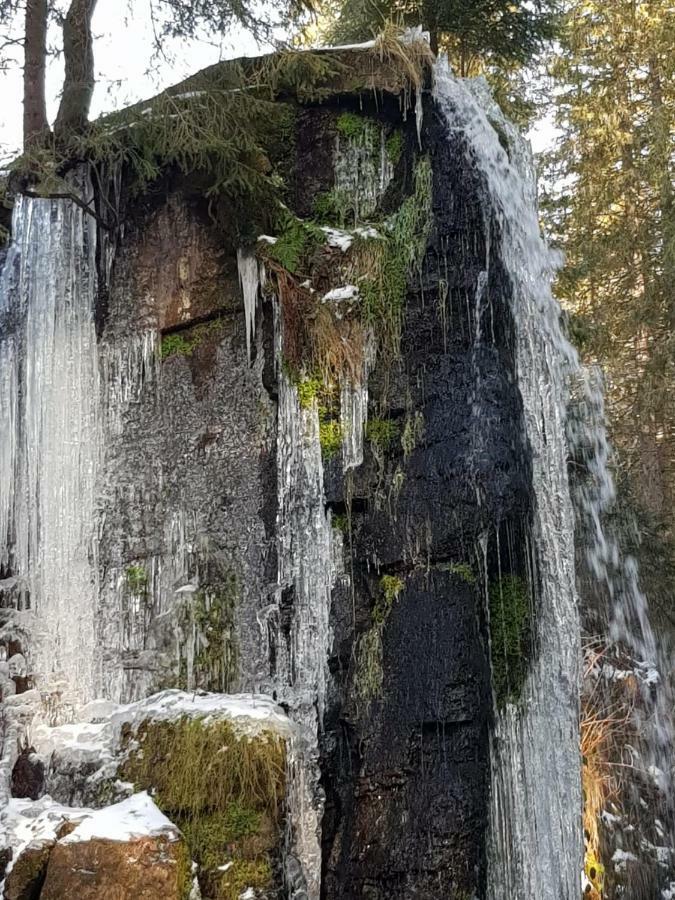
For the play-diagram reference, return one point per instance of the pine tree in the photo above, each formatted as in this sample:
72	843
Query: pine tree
504	32
613	214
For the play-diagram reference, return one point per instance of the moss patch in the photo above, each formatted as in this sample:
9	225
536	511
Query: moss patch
461	570
368	674
209	615
510	632
382	433
184	343
330	437
136	578
395	147
357	128
222	789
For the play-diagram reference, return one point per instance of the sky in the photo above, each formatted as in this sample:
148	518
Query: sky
122	51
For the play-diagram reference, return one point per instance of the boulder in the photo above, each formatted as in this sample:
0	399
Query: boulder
150	868
129	850
26	877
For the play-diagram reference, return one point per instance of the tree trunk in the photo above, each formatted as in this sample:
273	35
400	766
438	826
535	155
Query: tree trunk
35	124
78	86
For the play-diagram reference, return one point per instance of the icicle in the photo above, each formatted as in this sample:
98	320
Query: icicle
419	115
127	366
307	566
8	441
51	437
354	411
249	278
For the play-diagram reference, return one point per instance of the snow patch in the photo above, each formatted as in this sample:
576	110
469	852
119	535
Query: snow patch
348	292
129	820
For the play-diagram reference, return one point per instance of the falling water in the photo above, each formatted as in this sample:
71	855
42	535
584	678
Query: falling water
625	617
535	842
49	413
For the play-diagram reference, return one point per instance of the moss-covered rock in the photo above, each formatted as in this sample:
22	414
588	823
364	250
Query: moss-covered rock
223	788
27	875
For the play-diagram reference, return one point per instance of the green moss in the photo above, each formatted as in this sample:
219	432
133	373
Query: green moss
357	128
395	147
136	578
184	343
222	789
382	433
309	389
461	570
244	874
340	521
330	437
368	676
193	767
510	632
175	345
212	835
393	260
211	611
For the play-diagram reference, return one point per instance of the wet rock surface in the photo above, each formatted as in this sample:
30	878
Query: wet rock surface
407	776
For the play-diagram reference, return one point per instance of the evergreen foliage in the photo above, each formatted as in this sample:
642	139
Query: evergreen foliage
610	208
503	31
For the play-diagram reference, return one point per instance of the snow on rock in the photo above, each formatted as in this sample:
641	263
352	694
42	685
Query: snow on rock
621	859
249	714
34	823
136	817
84	737
341	240
348	292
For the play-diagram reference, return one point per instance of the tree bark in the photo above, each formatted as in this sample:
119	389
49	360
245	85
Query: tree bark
35	124
78	85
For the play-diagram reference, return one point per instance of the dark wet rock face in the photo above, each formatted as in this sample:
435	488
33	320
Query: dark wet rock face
407	773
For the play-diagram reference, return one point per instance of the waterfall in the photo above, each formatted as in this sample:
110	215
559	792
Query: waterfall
631	649
49	415
535	841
